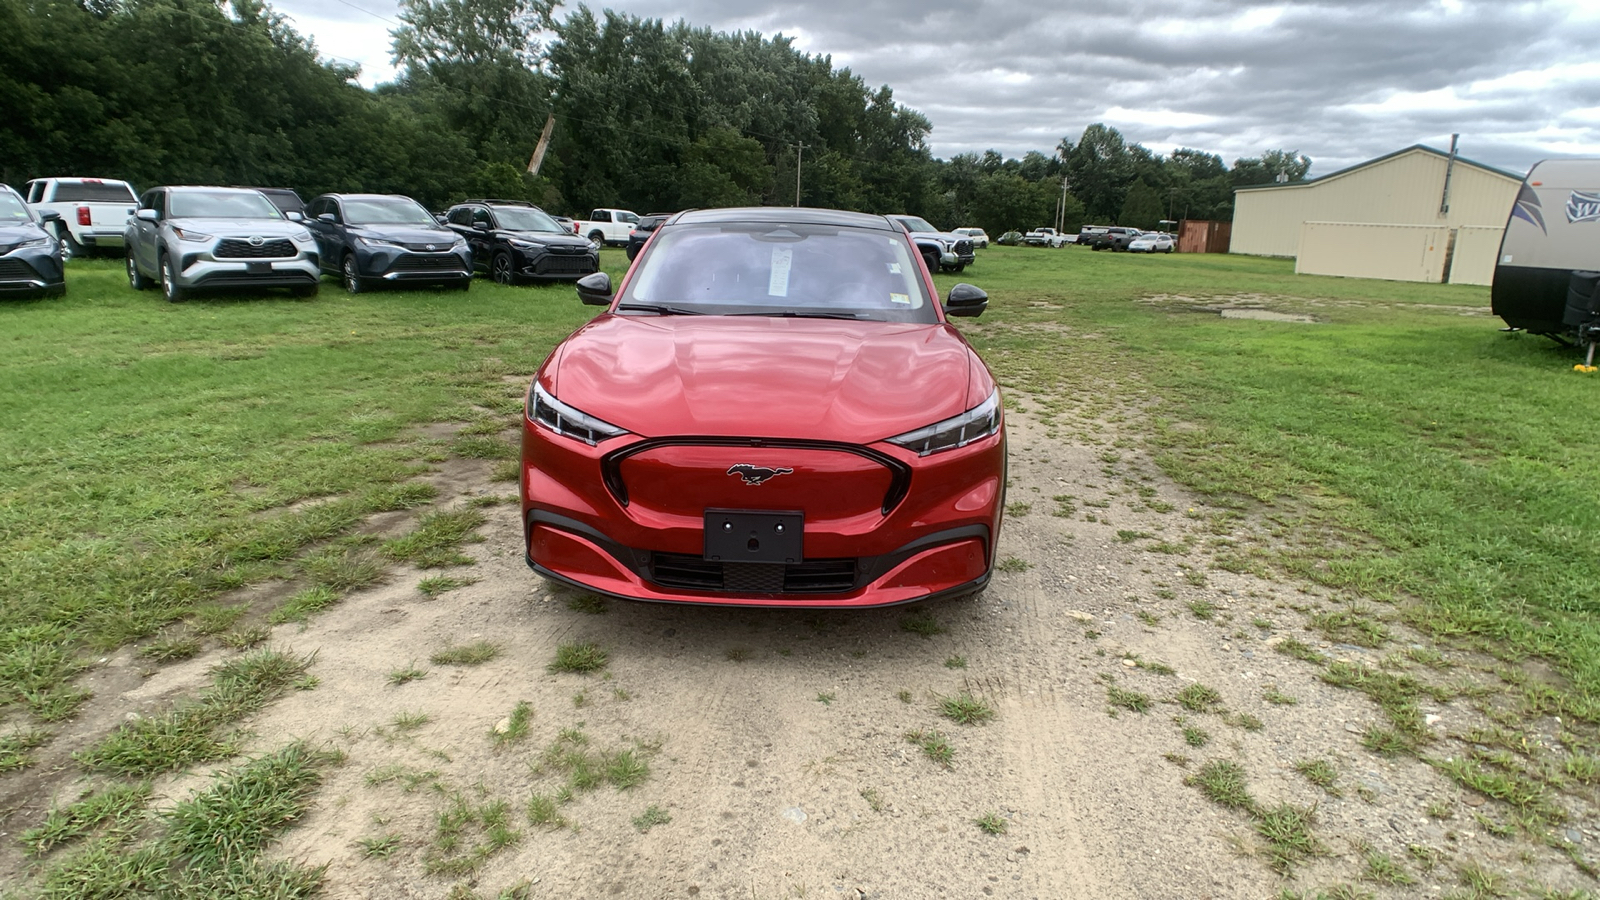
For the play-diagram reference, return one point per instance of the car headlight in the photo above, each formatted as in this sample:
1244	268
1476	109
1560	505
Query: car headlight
189	234
460	244
527	245
564	420
301	237
36	242
380	244
975	424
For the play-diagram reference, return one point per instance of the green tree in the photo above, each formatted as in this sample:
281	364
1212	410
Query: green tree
1143	208
1100	169
1274	165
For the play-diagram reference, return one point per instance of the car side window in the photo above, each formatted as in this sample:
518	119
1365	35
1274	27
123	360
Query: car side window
316	208
338	213
460	216
602	215
479	214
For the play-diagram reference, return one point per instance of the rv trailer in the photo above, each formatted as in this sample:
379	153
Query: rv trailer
1547	279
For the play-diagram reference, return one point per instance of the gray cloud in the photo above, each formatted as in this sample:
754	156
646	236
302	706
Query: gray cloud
1339	80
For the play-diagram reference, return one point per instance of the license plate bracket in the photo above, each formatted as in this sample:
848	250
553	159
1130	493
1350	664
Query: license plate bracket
754	536
258	268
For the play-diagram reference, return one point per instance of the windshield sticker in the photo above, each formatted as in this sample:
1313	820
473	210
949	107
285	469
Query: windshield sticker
900	298
778	283
894	268
1583	206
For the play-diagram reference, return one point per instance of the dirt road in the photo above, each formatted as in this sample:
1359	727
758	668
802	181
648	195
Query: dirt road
776	742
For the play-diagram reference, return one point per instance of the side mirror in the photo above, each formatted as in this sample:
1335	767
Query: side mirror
480	226
293	216
966	300
326	217
595	290
441	220
49	215
147	215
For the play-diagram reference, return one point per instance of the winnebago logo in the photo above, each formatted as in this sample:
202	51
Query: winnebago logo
756	474
1583	206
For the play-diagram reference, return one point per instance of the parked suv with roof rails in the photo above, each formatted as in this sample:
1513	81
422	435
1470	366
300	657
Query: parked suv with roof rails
93	211
31	259
513	241
188	238
372	239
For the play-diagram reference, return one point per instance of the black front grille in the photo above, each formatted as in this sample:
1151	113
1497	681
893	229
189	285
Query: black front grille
429	247
233	248
564	265
814	576
564	250
11	269
963	248
446	262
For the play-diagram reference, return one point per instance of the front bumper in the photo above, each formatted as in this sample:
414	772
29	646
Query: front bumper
31	274
557	263
404	265
201	269
936	538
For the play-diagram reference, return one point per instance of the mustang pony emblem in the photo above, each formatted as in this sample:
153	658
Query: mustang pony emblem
756	474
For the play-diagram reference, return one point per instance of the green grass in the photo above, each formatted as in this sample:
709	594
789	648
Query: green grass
933	745
966	709
197	731
434	585
474	654
581	658
921	622
516	726
1125	698
991	824
117	809
1223	783
1197	697
436	541
650	818
1321	773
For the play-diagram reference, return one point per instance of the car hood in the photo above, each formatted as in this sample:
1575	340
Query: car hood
19	232
546	237
263	227
822	379
407	234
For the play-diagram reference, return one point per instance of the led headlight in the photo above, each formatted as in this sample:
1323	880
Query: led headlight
564	420
185	234
526	245
975	424
36	242
301	237
379	244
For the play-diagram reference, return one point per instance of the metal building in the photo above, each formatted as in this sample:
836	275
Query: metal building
1417	214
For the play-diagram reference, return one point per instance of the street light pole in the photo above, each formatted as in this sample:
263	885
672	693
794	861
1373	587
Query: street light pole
799	154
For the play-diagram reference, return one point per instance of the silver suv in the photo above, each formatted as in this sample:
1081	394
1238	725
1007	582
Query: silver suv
194	238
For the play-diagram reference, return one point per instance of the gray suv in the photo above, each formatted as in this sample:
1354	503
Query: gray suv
196	238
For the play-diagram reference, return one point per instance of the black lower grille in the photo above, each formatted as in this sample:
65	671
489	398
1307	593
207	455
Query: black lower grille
814	576
446	262
232	248
564	265
16	268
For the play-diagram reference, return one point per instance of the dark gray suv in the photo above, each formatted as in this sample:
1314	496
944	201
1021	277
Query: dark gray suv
192	238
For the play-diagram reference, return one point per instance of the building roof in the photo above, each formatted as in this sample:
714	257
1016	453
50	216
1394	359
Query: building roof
1372	162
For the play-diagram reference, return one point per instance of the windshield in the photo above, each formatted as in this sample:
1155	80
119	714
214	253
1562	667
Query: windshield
781	270
93	192
387	211
916	224
12	210
526	218
221	205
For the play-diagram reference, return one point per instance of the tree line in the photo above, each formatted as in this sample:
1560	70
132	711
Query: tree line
648	115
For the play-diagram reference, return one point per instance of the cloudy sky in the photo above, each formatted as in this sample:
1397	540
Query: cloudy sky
1339	80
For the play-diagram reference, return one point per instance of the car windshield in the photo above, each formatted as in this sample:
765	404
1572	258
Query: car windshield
12	210
916	224
526	218
221	205
387	211
780	270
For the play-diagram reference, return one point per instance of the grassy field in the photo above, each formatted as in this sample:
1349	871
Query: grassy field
157	455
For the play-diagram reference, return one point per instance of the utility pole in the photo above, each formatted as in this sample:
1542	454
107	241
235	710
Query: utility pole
799	154
1061	208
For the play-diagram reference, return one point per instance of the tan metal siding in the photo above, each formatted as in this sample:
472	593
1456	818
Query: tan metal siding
1366	250
1403	190
1473	260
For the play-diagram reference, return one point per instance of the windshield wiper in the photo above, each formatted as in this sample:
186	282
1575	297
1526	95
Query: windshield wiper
660	309
805	314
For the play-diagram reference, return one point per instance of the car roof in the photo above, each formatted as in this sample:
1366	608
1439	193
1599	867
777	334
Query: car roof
784	215
209	187
369	196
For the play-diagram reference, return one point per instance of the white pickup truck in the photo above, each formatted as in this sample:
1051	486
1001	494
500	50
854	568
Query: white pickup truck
1045	237
607	226
93	211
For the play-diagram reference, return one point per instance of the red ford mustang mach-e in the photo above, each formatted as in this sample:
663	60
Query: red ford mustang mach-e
772	411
